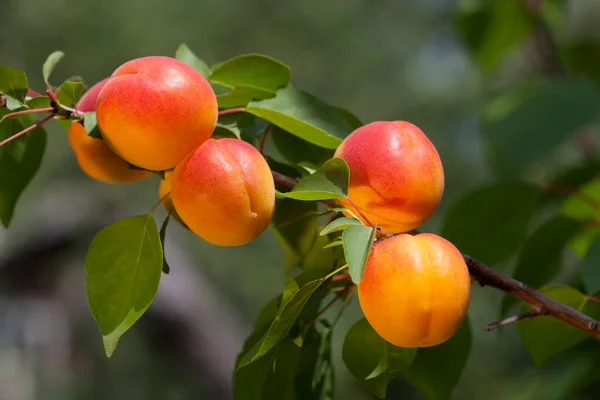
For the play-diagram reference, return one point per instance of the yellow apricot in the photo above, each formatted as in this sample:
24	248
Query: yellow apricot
415	290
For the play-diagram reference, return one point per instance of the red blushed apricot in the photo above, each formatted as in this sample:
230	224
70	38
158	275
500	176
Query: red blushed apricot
224	192
155	110
98	161
396	175
415	290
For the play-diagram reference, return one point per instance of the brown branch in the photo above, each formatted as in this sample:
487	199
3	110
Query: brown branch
486	276
529	314
24	131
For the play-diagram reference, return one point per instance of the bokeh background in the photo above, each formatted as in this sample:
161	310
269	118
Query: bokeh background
382	60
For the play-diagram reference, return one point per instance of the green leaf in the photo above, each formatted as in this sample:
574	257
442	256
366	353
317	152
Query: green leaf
583	205
163	232
540	257
350	118
286	317
492	28
91	125
20	160
305	116
590	268
50	63
373	361
185	54
240	96
546	336
358	241
226	131
535	138
70	92
123	267
315	378
327	183
13	83
279	382
339	225
252	71
490	222
39	102
297	151
437	370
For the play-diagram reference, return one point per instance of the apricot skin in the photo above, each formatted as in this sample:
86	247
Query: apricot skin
155	110
415	290
224	192
396	175
94	157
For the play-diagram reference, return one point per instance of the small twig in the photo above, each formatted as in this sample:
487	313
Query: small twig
32	111
52	96
33	93
327	307
341	277
530	314
155	206
592	298
264	139
283	181
24	131
360	212
345	304
231	111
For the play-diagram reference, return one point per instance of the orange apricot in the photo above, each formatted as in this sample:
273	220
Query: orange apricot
224	192
396	175
94	157
155	110
415	290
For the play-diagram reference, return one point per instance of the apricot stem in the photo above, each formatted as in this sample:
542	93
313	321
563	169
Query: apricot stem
530	314
24	131
51	95
155	206
231	110
592	298
33	93
343	267
32	111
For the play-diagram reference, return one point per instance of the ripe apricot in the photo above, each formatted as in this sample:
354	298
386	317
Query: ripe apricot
415	290
396	175
224	192
155	110
94	157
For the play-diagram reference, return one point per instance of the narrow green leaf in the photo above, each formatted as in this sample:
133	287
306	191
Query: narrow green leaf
334	244
240	96
358	241
163	232
339	225
185	54
286	317
315	378
20	160
298	151
303	115
279	382
252	71
546	336
590	268
437	370
50	63
506	206
123	268
327	183
373	361
540	257
91	125
70	92
13	83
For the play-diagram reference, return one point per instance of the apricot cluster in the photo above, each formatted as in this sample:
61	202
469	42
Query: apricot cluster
415	290
158	114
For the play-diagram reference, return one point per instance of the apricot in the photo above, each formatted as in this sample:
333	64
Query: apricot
396	175
94	157
155	110
415	290
224	192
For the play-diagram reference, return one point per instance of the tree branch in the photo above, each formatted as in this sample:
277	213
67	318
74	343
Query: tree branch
529	314
486	276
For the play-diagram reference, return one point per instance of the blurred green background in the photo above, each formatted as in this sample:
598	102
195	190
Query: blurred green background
383	60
